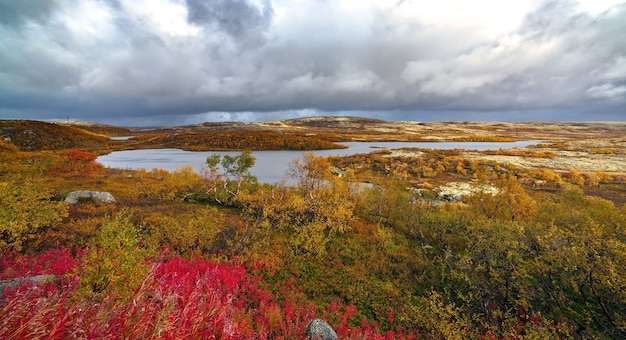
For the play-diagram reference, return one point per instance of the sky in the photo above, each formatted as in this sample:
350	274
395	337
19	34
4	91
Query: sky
174	62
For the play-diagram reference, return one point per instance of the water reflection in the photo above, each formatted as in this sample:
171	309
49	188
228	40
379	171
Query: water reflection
271	166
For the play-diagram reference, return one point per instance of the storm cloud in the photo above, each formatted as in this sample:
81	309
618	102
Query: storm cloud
184	61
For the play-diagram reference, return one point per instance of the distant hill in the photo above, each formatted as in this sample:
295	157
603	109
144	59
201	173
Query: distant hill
31	135
335	122
100	129
38	135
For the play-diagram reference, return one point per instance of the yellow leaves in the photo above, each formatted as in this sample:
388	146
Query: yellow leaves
25	209
192	229
318	205
385	239
582	256
310	239
239	140
319	196
310	173
511	202
443	320
7	148
115	262
169	186
575	177
233	186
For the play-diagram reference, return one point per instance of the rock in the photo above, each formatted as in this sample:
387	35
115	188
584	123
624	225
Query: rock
37	279
319	330
454	191
96	196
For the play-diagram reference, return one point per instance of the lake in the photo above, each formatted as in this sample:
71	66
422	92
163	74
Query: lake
271	166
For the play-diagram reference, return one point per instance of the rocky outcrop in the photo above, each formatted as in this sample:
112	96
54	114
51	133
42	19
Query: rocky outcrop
34	280
454	191
96	196
319	330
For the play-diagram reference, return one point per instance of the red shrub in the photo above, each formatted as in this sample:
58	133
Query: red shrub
55	262
179	298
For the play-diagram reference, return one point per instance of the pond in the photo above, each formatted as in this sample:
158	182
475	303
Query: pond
271	166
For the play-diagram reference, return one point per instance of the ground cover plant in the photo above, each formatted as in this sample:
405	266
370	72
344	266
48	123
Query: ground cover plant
218	255
176	298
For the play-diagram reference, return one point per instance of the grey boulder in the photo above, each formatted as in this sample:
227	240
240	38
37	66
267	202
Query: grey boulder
319	330
34	280
97	196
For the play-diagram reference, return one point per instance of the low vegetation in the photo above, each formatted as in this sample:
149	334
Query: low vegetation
364	242
236	140
37	136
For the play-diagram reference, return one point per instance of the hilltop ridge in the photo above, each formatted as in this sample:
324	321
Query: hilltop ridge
350	126
582	140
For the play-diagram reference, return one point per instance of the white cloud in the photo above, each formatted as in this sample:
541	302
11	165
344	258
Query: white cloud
363	81
616	70
608	91
480	19
596	7
488	64
88	22
293	55
163	17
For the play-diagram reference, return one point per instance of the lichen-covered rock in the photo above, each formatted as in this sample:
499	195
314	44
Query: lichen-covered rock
34	280
97	196
454	191
319	330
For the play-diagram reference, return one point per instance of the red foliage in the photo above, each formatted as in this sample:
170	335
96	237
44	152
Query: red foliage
76	163
75	155
54	262
179	298
241	140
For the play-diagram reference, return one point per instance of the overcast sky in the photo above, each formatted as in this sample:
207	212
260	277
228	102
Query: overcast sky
171	62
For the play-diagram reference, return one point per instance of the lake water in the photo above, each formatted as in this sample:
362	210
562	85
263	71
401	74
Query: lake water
271	166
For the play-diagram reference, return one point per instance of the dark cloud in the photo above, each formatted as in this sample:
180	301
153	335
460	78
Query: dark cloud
239	18
20	12
184	60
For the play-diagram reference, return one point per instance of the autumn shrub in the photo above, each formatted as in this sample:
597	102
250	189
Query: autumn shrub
116	262
510	201
162	185
580	247
227	186
391	205
601	151
318	205
240	140
7	148
25	209
190	229
483	138
51	262
260	261
177	298
75	163
520	153
30	135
